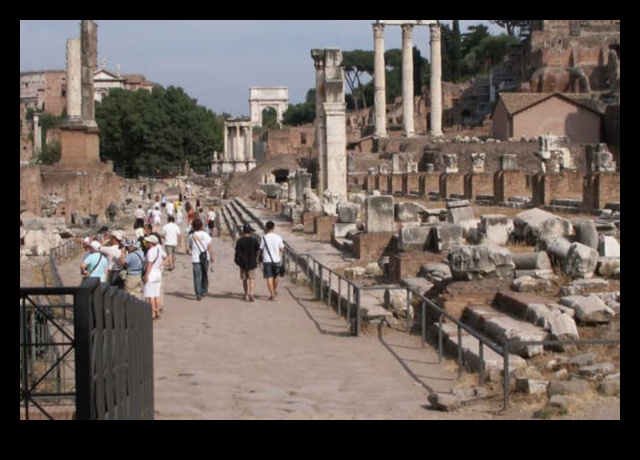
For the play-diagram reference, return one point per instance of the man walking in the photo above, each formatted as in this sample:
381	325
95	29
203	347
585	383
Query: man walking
172	240
246	257
271	250
201	255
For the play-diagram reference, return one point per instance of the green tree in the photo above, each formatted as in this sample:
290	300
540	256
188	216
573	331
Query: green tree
356	63
155	130
301	114
455	50
514	27
50	153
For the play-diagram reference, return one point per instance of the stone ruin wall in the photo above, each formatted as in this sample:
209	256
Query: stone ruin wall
288	141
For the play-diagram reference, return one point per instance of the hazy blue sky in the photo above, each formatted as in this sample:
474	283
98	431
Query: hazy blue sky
214	61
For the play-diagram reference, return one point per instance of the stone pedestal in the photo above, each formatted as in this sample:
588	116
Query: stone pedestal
323	227
429	183
478	184
451	184
510	183
410	183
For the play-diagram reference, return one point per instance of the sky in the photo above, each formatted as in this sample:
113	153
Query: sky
214	61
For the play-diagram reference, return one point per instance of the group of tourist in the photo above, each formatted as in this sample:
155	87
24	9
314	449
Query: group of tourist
136	265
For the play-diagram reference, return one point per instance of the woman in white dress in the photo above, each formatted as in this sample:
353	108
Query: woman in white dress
156	258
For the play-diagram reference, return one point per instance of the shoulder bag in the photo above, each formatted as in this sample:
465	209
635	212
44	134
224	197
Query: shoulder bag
278	268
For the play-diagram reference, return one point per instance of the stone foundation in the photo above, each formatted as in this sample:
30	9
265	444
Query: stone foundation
323	227
451	184
407	264
371	246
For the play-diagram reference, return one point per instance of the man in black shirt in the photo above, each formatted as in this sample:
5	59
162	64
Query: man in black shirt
246	257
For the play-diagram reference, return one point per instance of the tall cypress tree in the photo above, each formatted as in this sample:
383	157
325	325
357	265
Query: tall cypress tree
456	53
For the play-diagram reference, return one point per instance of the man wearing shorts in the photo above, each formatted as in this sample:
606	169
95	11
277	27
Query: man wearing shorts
271	250
172	240
246	257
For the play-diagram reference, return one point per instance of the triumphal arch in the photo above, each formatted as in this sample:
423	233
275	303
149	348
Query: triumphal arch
260	98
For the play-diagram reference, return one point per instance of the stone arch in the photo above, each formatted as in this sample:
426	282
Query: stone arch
274	97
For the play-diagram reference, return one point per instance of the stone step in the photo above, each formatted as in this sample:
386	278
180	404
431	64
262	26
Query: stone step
493	362
501	327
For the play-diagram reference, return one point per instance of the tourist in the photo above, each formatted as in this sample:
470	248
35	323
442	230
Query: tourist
156	215
152	278
113	251
147	230
170	208
172	240
246	257
211	220
133	261
200	243
271	250
95	264
139	215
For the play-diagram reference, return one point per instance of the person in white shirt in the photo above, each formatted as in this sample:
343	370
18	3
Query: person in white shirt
152	279
211	221
271	250
172	240
112	252
200	242
139	215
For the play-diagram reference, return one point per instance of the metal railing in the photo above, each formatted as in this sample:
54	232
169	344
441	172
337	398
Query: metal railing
85	353
320	276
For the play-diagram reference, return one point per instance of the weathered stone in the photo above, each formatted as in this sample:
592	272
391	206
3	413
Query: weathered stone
380	214
586	232
589	309
408	211
597	370
568	387
582	286
610	385
537	226
341	230
444	236
608	246
353	273
435	272
530	284
419	284
459	210
559	248
562	327
531	386
481	261
444	402
497	228
374	269
607	266
540	315
581	261
348	212
414	237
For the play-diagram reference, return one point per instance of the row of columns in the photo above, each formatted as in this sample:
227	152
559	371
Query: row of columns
380	96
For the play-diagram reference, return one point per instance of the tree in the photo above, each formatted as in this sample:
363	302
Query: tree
50	153
155	130
514	27
356	63
301	114
455	49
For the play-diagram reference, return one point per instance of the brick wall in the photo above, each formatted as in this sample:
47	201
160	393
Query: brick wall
451	183
410	183
429	182
406	264
371	246
511	183
307	219
478	184
323	227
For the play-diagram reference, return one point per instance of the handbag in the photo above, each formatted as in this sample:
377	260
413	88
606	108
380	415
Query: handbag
279	269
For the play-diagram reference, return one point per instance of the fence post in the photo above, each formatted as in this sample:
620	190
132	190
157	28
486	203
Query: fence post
357	294
408	291
423	306
82	306
505	377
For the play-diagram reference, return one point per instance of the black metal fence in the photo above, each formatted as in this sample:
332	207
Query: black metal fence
86	353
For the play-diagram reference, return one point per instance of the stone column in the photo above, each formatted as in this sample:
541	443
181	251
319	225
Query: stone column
436	81
225	152
407	79
236	143
248	142
74	85
380	94
336	177
318	61
89	47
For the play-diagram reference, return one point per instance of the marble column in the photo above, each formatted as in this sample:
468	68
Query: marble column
407	79
379	75
318	61
436	81
248	144
89	49
225	152
74	84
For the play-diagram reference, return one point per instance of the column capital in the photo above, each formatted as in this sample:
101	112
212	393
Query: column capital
435	31
378	30
407	30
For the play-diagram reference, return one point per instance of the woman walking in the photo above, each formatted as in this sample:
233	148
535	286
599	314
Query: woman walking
152	279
